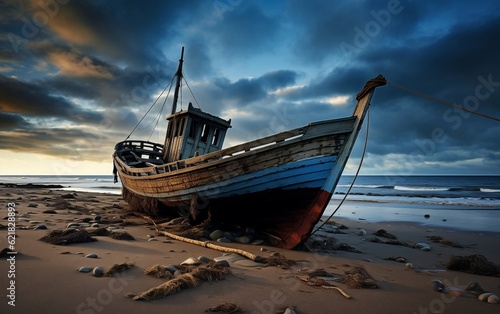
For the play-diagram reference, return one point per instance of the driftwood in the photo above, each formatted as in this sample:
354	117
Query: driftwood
250	256
209	245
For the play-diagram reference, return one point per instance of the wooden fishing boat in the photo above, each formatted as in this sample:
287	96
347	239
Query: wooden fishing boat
279	185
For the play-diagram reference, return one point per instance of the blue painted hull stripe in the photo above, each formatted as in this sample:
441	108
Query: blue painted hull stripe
309	173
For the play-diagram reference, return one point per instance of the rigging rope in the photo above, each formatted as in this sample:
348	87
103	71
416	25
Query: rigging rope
160	113
355	176
192	94
443	102
154	103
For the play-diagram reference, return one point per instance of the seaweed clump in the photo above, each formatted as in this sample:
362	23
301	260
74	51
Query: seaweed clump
474	264
66	237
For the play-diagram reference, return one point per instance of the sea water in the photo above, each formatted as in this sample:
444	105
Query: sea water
464	202
78	183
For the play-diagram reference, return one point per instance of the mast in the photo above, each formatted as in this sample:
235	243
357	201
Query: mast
178	74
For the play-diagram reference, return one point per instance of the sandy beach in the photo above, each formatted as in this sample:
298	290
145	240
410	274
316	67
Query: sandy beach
45	277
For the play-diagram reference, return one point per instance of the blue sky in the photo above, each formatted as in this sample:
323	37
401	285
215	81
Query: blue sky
76	77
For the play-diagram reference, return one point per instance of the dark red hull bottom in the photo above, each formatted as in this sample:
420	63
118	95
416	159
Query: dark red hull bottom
287	216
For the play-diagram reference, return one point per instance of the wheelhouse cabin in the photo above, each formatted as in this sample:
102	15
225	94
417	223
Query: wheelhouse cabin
193	132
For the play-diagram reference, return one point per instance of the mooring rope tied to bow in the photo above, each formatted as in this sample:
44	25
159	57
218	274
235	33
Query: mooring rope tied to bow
443	102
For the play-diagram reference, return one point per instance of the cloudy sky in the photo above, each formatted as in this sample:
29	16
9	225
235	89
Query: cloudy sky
77	76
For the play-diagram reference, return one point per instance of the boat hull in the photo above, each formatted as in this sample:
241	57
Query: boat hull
278	190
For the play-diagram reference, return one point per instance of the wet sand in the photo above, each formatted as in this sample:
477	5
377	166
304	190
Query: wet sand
47	276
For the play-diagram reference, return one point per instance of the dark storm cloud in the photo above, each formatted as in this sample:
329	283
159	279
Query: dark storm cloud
32	100
9	121
325	29
55	142
244	92
244	31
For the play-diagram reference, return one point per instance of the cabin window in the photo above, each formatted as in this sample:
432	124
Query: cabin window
192	129
215	139
204	133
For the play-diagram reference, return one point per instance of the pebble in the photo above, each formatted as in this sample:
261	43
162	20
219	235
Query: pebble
423	246
217	234
95	225
230	258
97	271
85	269
485	296
361	232
243	239
152	239
289	311
223	240
191	261
40	227
171	268
33	205
223	263
73	225
438	285
91	255
177	273
229	235
204	259
49	211
474	288
493	299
